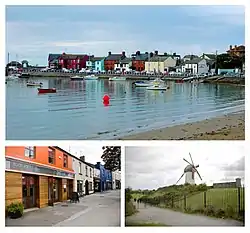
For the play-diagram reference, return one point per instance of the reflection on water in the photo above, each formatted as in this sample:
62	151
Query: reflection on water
76	111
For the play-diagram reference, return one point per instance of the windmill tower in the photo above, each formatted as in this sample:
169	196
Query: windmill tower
189	172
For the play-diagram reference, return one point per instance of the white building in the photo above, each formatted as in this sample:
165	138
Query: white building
116	180
123	64
195	66
84	176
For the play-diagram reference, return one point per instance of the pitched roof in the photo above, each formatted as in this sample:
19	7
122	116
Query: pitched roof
190	56
141	57
126	60
93	59
114	57
158	58
194	61
53	56
210	56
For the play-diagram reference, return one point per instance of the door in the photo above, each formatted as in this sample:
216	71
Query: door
86	188
29	191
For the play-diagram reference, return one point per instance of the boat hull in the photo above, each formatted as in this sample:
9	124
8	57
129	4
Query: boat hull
48	90
117	79
143	84
33	85
152	88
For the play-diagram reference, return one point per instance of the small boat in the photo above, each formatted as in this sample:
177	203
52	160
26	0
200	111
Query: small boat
76	78
157	88
33	84
143	84
91	77
117	79
46	90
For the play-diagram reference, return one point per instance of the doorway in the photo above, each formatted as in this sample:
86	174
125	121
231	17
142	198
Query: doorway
53	190
29	190
86	187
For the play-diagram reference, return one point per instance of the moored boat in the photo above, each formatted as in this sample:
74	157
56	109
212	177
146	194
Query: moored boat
117	79
46	90
33	84
91	77
157	88
142	84
76	78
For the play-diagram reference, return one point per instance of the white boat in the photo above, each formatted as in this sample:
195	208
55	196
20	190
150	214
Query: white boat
157	88
188	78
117	79
91	77
143	84
33	84
76	78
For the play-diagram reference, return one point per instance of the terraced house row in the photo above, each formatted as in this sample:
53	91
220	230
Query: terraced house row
40	176
142	61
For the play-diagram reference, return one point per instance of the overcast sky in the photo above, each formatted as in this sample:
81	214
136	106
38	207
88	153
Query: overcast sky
32	32
92	152
154	167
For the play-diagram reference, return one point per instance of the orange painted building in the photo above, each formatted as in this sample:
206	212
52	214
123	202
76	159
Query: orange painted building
37	176
238	51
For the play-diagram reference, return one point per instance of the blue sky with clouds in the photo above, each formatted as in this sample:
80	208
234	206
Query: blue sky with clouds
32	32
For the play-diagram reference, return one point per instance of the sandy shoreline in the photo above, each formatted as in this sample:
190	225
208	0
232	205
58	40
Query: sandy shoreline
227	127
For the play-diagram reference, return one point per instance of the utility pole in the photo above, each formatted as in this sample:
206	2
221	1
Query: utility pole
216	71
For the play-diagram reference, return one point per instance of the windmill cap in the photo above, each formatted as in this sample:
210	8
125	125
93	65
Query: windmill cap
188	168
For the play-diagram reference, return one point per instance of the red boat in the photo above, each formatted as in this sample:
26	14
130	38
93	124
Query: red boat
46	90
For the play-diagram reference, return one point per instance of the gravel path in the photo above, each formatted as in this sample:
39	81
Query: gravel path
174	218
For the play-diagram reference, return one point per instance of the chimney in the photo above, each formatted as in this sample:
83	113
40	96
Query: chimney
165	54
174	54
123	54
138	53
151	54
230	47
146	53
156	52
109	53
235	46
82	158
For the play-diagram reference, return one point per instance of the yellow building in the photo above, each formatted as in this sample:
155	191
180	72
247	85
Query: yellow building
158	64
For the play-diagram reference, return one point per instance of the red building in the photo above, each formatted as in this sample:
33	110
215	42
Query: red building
68	61
138	61
111	59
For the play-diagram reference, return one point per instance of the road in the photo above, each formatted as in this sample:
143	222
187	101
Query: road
174	218
103	210
98	209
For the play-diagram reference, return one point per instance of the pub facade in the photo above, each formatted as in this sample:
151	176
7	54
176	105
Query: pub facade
37	176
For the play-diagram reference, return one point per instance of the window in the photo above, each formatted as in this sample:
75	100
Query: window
90	172
65	160
51	155
86	170
30	152
80	168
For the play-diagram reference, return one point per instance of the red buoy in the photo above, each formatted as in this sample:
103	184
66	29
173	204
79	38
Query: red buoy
106	99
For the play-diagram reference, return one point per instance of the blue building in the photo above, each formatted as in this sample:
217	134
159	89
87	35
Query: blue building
95	63
105	177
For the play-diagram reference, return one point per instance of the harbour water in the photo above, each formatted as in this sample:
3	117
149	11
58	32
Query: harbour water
76	111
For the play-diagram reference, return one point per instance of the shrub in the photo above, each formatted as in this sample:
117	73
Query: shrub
129	209
230	211
209	210
15	210
219	213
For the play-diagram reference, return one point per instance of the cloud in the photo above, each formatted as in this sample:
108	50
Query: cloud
35	32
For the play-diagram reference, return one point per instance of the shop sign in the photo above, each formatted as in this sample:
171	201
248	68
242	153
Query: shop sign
12	164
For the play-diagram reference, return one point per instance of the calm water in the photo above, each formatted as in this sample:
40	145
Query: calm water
76	111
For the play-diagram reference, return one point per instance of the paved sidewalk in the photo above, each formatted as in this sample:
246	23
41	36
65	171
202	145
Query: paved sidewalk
104	208
174	218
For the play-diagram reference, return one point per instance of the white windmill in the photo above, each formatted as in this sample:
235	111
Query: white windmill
189	172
